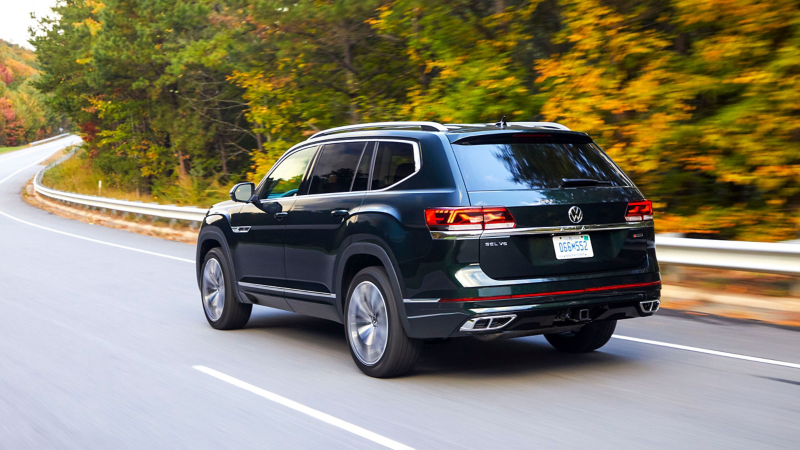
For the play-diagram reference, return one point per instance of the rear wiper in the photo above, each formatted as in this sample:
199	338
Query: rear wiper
579	182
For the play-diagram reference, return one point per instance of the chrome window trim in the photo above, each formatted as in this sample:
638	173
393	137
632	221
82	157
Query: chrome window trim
267	287
312	163
509	232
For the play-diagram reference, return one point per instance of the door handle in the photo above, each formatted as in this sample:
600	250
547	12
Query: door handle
339	212
281	215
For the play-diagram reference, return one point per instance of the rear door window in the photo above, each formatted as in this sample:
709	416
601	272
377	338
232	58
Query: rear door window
534	165
394	162
335	169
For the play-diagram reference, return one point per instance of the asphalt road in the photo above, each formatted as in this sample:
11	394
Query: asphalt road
99	343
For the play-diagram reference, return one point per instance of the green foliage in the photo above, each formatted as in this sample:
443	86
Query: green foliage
697	100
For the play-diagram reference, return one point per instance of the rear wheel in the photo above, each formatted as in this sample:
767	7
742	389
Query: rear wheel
377	341
222	310
589	338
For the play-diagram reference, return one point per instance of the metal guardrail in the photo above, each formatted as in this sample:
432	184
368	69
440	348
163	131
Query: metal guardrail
189	213
48	139
734	255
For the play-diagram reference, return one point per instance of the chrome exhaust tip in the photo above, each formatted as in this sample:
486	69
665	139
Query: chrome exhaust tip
487	323
650	306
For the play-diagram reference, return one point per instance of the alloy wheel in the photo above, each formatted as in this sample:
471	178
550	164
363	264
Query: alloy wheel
368	324
213	289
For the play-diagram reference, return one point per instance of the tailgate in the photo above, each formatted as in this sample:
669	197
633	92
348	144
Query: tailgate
529	251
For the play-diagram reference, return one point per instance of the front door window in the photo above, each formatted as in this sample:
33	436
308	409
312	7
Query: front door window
285	180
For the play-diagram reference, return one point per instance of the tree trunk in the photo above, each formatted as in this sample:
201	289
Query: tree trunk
258	141
350	79
222	156
181	167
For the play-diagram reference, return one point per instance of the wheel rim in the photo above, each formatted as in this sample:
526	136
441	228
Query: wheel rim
213	289
367	323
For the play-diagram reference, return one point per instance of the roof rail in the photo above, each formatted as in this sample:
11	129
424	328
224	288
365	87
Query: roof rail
435	125
553	125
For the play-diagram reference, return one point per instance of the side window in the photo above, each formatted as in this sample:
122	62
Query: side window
362	174
285	180
393	162
336	167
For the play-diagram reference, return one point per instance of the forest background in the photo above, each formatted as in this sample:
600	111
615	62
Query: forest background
697	100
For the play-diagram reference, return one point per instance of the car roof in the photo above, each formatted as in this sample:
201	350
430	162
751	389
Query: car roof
453	132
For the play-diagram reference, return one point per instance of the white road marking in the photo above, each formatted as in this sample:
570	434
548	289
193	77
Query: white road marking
347	426
710	352
125	247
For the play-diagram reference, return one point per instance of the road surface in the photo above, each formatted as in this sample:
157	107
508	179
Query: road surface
103	344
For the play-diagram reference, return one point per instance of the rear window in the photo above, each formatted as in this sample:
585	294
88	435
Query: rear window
534	165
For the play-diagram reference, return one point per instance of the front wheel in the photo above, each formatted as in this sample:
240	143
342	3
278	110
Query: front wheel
378	343
222	310
589	338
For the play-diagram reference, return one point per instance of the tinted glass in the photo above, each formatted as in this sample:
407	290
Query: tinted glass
335	167
540	165
394	162
285	180
362	174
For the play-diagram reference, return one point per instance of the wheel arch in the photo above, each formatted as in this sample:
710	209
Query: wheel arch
211	237
358	256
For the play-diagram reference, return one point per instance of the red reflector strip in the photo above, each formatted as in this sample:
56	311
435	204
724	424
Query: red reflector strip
545	294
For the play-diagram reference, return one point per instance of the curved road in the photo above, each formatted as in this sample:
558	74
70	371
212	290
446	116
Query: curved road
103	344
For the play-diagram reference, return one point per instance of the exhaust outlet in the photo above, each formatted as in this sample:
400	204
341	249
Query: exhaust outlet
583	315
650	306
488	323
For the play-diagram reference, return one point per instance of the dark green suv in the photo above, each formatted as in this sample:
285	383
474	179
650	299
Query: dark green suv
409	231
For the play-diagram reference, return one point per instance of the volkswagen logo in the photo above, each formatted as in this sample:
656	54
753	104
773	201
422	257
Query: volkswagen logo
575	214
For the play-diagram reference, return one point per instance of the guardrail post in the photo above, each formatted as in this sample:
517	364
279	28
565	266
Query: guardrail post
794	289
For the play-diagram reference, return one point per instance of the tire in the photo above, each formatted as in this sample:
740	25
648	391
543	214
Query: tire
589	338
399	353
232	315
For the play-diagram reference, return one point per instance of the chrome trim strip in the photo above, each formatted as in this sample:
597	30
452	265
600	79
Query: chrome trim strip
260	286
314	293
417	166
420	300
434	315
240	229
504	309
472	276
283	290
508	232
565	229
451	235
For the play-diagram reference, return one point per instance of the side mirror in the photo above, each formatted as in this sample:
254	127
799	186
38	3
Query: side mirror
242	192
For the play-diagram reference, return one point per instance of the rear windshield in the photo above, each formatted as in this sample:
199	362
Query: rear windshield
534	165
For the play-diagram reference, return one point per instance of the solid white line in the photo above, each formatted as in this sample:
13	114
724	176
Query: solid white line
710	352
347	426
75	235
124	247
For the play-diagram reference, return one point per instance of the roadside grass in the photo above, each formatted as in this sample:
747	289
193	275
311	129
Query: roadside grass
11	149
78	174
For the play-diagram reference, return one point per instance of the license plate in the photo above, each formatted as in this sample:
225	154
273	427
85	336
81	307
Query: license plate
571	247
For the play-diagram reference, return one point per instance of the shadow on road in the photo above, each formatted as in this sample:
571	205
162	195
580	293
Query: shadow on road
463	356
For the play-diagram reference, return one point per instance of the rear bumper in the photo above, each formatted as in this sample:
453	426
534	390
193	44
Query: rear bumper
537	313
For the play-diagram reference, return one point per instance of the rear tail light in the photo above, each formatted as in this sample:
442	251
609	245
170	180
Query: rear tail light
639	211
481	218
